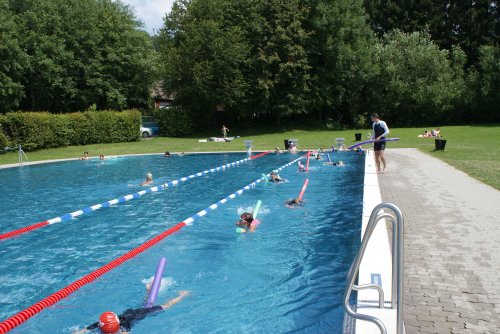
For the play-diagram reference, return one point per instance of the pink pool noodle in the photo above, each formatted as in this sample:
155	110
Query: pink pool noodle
304	187
153	292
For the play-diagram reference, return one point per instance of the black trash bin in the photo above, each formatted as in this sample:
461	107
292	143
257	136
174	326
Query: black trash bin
440	144
357	136
287	144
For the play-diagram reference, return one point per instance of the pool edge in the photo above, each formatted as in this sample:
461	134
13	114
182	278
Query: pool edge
48	161
377	259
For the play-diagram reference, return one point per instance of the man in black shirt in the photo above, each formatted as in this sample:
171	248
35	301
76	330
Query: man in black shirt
380	130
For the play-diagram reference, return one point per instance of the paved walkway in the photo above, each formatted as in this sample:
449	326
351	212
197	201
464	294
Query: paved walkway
452	245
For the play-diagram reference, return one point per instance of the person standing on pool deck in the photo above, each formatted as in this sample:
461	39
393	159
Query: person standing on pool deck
111	323
380	130
224	131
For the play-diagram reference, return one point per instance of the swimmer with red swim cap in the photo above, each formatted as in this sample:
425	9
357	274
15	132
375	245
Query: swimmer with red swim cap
110	323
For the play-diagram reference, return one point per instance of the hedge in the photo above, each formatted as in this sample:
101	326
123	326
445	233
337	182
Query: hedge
174	122
39	130
4	141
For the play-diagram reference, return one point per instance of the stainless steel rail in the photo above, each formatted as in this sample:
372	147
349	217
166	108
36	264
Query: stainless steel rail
397	222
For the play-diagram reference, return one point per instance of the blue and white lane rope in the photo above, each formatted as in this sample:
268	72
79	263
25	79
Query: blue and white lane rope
71	215
138	194
214	206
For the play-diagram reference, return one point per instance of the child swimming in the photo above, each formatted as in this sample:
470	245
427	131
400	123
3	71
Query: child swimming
247	223
302	168
294	202
149	180
275	178
340	163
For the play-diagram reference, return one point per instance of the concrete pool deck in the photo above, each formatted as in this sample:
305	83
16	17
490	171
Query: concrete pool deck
452	244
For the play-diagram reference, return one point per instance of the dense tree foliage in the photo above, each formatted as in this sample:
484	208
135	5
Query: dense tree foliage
321	60
65	55
468	24
12	61
418	80
484	86
267	59
325	62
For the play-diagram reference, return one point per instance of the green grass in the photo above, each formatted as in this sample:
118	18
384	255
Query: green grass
472	149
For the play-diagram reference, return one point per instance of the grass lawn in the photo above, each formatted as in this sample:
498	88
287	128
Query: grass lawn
472	149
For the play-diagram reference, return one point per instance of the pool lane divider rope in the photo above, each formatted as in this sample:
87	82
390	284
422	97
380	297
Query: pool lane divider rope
125	198
21	317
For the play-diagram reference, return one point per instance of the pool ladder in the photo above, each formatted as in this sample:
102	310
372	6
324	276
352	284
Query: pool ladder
397	221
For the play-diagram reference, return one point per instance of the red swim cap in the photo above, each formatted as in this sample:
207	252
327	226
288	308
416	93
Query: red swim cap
109	323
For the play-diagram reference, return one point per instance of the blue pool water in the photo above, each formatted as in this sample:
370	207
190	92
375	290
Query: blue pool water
287	277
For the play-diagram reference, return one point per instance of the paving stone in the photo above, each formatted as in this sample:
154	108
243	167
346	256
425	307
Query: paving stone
452	253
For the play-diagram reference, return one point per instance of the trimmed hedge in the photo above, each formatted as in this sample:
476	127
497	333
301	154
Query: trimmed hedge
4	141
39	130
174	122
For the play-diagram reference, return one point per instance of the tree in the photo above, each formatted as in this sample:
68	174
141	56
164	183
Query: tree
247	56
468	24
12	61
484	86
82	52
417	83
341	56
202	58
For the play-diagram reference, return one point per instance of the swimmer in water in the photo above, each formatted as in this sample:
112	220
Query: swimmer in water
338	164
167	154
301	167
275	177
85	156
318	156
149	180
109	322
294	202
277	150
101	157
247	223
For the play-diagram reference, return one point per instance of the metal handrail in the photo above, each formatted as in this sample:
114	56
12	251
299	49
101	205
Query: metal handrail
397	266
372	286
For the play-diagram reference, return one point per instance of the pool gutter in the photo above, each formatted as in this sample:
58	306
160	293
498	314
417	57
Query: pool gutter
39	162
376	266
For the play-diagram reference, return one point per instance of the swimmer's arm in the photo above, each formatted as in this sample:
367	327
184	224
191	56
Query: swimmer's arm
174	301
81	331
88	329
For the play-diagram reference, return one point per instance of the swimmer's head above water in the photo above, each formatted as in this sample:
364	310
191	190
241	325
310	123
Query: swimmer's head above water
109	322
294	202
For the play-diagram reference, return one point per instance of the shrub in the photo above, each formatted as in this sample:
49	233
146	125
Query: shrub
174	122
43	130
417	82
4	141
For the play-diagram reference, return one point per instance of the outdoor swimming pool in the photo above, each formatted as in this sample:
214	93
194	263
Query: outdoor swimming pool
289	276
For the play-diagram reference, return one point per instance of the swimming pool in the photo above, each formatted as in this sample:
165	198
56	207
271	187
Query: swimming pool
288	276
